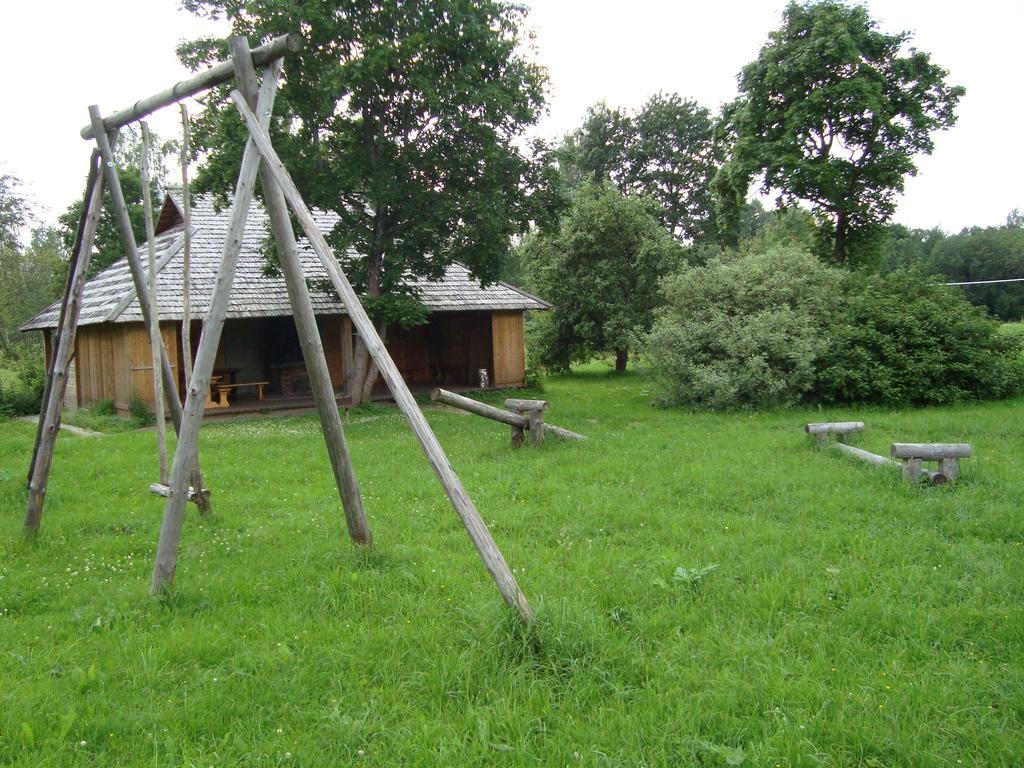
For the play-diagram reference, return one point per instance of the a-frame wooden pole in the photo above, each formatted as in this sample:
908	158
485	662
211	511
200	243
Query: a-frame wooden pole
186	252
195	397
305	321
142	294
155	338
474	524
76	249
63	349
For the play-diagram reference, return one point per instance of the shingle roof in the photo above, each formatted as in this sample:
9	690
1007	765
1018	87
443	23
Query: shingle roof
110	296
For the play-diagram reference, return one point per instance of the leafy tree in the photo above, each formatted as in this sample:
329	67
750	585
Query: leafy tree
128	156
32	278
667	151
14	211
29	279
403	118
597	150
908	249
672	160
601	271
833	112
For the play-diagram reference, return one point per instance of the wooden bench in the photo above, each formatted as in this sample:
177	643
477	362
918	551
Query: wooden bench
840	430
224	389
533	412
947	455
836	435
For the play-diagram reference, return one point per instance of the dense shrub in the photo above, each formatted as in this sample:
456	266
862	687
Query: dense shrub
139	411
902	339
744	330
22	377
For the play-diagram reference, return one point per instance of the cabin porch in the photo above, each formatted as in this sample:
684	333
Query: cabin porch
259	365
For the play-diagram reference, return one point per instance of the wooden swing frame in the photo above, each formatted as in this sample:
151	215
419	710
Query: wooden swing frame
254	101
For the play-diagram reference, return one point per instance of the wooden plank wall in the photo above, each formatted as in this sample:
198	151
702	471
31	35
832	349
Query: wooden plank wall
508	349
332	329
113	362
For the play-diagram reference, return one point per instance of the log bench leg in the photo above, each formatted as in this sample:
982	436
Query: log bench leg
912	470
536	427
518	436
950	468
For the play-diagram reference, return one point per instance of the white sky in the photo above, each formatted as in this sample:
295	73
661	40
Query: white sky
64	55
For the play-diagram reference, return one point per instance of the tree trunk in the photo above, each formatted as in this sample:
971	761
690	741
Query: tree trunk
842	235
370	377
364	372
621	357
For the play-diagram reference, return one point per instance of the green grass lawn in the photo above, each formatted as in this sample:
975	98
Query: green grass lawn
1013	329
851	619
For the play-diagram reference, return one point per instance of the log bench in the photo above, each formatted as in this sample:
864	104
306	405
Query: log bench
837	435
224	389
947	455
840	430
518	417
533	412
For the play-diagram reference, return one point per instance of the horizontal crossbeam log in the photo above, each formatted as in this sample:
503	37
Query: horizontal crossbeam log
218	75
480	409
931	451
497	414
834	428
519	405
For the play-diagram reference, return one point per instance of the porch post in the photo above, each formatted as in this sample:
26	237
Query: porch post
348	359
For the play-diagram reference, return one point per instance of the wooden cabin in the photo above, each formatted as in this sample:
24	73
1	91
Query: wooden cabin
470	328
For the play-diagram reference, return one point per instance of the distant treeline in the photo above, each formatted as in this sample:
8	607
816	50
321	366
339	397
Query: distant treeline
975	253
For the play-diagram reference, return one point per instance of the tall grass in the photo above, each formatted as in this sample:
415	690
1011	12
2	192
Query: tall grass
827	613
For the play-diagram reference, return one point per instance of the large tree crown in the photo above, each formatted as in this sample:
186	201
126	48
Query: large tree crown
833	112
402	117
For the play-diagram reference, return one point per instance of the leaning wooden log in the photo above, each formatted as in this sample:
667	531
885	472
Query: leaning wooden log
565	434
480	409
186	253
76	249
120	208
155	339
305	325
63	350
870	458
935	478
217	75
497	414
475	527
186	452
